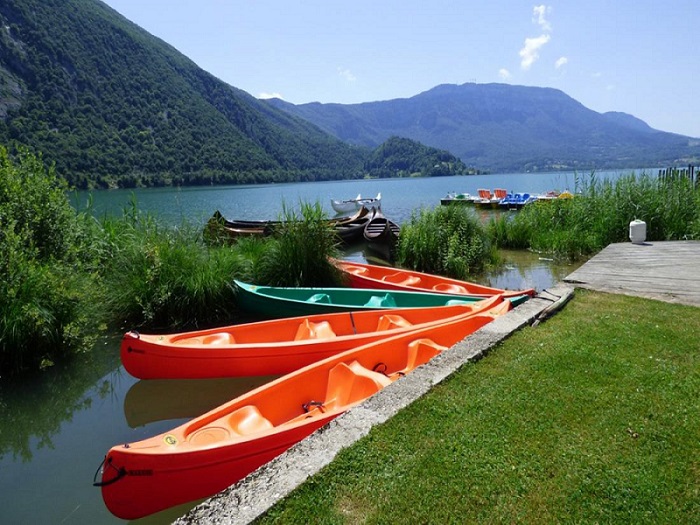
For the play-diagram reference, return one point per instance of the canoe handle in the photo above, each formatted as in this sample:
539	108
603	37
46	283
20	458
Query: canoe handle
308	406
121	472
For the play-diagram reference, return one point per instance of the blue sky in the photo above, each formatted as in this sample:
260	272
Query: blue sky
641	57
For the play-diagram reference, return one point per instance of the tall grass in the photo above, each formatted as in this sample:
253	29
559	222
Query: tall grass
298	254
600	214
448	240
163	277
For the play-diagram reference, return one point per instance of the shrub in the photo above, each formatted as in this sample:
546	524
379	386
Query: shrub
50	305
449	240
299	253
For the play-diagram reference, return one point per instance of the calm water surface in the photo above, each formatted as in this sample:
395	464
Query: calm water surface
56	428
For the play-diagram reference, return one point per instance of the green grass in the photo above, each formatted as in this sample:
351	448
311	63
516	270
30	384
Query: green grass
592	417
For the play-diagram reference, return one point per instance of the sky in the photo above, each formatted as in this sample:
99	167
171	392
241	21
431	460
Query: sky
640	57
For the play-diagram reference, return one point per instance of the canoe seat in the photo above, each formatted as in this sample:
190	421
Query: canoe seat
310	330
248	420
450	288
356	270
221	338
401	278
381	301
455	302
348	384
319	298
420	352
391	321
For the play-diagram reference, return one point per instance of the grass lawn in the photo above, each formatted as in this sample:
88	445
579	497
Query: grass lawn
592	417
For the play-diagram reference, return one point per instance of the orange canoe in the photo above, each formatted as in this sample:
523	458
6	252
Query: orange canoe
388	278
215	450
274	347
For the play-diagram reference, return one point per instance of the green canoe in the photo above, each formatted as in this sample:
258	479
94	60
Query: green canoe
272	301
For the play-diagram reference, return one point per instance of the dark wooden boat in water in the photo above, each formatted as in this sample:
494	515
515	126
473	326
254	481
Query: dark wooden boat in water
381	234
349	229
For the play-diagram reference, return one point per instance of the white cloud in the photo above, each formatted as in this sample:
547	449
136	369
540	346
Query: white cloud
561	62
270	95
504	74
597	74
539	11
531	51
346	74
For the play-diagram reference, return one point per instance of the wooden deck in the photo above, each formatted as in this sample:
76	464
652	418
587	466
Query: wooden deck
666	271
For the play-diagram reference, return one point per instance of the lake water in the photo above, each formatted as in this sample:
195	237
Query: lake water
55	428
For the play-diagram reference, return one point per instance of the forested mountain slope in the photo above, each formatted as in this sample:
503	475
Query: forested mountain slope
504	127
111	104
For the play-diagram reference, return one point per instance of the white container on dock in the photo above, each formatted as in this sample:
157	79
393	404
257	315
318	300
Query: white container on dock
638	231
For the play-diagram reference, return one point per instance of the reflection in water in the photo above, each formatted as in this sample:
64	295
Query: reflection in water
162	399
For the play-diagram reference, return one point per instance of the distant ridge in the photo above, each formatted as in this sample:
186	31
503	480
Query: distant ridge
504	127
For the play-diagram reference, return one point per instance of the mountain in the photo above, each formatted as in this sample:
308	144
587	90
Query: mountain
504	127
111	104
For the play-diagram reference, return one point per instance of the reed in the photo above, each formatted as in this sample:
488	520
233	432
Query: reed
448	240
166	277
600	214
299	252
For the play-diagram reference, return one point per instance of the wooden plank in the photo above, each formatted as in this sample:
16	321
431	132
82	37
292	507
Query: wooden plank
667	271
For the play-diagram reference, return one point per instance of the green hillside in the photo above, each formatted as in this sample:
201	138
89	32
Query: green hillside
112	105
399	157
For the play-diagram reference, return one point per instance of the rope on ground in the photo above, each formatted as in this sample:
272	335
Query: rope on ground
557	305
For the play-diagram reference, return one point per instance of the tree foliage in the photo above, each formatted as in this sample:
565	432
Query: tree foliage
112	105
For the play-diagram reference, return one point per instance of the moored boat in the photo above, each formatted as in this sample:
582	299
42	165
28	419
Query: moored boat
381	234
217	449
458	198
368	276
516	201
277	301
348	205
347	228
274	347
488	199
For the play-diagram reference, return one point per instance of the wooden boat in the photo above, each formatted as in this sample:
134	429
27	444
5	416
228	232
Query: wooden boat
348	205
217	449
219	227
274	347
350	231
382	234
275	301
368	276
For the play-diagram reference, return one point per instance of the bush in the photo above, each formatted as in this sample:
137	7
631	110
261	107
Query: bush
49	307
449	240
299	253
